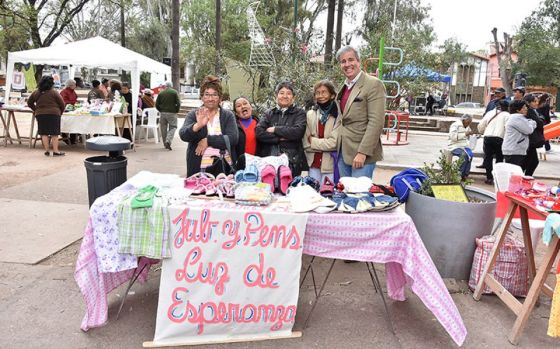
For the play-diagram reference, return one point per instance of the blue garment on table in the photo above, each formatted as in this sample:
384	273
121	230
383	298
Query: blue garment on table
551	226
467	155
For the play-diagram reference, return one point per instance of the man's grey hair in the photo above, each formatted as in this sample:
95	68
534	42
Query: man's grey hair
168	84
345	49
70	82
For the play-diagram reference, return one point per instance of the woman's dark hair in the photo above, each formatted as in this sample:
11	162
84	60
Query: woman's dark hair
46	83
235	101
503	105
543	98
95	83
212	82
284	84
529	98
516	106
115	86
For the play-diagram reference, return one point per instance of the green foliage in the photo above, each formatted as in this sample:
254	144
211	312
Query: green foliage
446	172
539	45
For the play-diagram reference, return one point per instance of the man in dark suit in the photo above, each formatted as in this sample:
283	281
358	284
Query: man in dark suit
362	102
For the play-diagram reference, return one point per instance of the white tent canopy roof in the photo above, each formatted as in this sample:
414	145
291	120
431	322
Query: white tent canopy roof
95	52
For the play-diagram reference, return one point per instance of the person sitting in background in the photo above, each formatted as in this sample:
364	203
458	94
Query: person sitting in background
69	97
68	94
114	87
104	87
320	135
493	126
281	129
125	92
95	92
459	133
516	137
536	138
246	126
147	100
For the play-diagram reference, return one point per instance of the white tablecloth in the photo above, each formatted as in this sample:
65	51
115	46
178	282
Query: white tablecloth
87	124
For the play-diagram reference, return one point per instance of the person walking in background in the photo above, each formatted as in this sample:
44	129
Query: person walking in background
544	111
320	138
536	138
206	128
362	104
518	93
499	94
246	127
47	106
168	103
430	104
516	137
493	127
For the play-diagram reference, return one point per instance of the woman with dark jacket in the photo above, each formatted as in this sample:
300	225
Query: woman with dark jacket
281	129
544	110
207	128
536	139
246	126
48	106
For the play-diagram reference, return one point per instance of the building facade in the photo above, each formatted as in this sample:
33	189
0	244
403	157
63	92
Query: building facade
469	80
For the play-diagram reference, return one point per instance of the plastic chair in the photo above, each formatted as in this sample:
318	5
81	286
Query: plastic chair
502	172
152	123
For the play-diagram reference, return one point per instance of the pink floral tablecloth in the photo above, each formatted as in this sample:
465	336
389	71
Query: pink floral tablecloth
390	238
382	237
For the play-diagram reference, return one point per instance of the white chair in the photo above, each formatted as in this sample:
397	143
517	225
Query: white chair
152	123
502	172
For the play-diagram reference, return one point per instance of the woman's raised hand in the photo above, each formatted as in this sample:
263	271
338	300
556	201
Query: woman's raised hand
202	117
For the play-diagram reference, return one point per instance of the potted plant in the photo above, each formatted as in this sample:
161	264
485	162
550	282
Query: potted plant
447	228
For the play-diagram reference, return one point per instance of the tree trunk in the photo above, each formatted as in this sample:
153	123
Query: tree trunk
218	35
503	60
339	19
175	66
330	30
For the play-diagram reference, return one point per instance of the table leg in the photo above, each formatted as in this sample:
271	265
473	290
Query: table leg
135	276
528	242
319	295
502	232
13	115
377	285
5	129
7	136
534	291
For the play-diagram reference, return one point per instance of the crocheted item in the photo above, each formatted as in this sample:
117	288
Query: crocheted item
554	321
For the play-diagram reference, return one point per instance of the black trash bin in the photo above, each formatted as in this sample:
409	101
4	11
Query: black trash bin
104	173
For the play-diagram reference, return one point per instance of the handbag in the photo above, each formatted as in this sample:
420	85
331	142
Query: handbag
219	163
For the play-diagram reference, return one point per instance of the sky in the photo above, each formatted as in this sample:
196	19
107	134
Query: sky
470	21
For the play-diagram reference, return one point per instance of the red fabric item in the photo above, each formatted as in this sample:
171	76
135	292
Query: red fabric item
318	157
69	96
251	138
345	95
502	205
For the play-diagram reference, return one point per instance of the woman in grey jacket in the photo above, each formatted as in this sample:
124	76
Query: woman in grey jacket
206	128
516	137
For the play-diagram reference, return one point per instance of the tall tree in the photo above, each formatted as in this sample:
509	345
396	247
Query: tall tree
538	45
330	30
44	20
339	19
175	63
503	54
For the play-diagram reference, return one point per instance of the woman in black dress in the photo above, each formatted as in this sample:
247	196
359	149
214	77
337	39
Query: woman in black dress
48	106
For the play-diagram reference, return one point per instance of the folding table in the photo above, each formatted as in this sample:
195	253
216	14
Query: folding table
537	277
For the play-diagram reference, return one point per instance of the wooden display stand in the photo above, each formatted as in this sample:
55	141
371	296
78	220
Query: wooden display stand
537	278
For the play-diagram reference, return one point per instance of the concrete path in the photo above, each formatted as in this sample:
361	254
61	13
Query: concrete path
41	306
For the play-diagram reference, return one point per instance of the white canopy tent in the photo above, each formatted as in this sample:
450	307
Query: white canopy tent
95	52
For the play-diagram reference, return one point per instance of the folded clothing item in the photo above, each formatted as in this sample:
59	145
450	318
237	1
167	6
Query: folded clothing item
257	194
304	198
362	202
356	185
145	197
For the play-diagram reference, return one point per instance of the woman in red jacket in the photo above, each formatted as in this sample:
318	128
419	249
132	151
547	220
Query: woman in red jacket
70	97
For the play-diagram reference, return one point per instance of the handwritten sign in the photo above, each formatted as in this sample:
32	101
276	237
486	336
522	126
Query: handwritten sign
450	192
233	275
